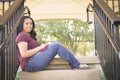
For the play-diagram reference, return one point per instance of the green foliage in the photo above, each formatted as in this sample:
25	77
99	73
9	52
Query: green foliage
68	32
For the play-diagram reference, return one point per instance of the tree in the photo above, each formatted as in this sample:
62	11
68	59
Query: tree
68	32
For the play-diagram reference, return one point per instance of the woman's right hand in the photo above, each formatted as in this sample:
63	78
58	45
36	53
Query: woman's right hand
43	46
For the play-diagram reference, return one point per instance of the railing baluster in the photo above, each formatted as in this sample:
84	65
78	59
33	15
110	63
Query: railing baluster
119	7
3	7
113	8
3	59
9	3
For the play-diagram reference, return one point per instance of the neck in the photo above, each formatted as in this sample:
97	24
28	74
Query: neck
26	33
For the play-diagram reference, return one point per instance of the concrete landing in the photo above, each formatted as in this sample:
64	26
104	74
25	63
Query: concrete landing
90	74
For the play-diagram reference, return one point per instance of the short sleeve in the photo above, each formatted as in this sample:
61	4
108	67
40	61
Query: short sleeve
22	38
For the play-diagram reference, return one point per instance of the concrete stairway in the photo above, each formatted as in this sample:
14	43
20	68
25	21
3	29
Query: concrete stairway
59	69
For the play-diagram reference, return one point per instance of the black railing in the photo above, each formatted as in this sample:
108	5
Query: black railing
8	30
106	24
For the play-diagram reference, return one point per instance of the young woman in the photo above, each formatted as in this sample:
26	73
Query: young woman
34	56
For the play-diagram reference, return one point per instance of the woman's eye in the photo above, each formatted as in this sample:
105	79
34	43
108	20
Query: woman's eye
26	23
30	23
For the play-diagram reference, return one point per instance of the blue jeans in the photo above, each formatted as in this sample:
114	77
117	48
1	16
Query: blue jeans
40	60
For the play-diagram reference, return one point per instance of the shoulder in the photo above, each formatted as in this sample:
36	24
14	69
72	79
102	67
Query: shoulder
22	37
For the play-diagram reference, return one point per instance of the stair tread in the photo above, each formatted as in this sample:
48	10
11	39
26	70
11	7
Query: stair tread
88	74
58	63
82	59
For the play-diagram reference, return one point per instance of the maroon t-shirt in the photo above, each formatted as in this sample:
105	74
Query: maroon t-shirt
32	43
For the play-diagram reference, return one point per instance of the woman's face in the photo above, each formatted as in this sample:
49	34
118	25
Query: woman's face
27	25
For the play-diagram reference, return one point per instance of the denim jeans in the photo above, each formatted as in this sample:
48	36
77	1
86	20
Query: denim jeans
40	60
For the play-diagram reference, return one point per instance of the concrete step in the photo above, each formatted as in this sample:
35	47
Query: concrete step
88	74
82	59
58	63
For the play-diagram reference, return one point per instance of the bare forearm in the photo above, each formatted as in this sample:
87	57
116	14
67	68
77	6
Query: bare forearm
31	52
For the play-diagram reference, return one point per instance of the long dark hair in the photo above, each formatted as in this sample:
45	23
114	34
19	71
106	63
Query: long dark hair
20	27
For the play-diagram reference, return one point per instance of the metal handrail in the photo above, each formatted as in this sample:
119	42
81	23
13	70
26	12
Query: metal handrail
114	20
3	45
